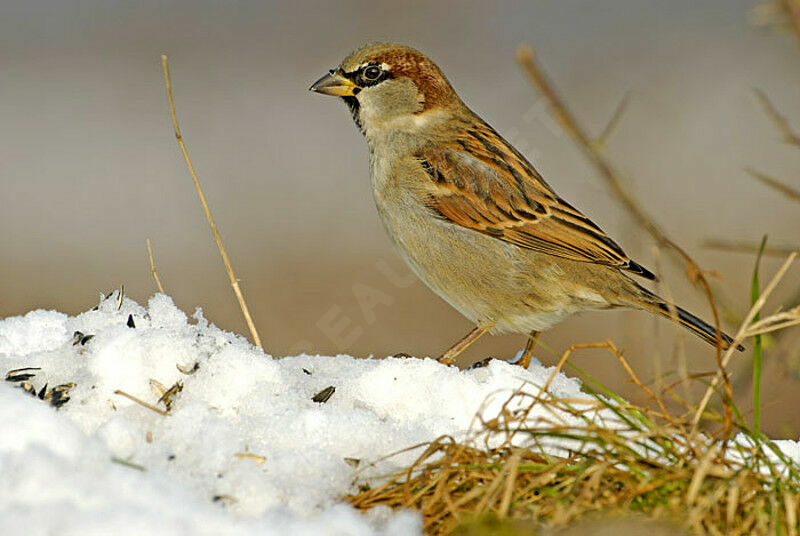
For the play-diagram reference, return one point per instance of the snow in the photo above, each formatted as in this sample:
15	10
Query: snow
244	448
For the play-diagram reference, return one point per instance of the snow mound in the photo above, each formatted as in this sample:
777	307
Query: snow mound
244	450
250	445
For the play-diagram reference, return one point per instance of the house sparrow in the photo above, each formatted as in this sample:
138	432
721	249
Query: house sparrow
471	216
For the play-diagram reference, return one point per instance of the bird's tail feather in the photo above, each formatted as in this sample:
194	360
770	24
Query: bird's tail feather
702	329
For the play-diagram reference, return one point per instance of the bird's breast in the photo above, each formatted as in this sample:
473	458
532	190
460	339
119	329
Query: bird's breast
474	273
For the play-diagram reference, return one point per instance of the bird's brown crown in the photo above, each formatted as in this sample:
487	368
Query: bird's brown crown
405	62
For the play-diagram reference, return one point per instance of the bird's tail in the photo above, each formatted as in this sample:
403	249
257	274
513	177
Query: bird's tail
686	319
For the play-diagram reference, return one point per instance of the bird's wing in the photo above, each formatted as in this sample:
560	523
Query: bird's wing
479	181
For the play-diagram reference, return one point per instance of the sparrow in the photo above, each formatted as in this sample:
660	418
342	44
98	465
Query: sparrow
472	217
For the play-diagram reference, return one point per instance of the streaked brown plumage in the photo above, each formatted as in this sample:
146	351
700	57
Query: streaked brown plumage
524	211
472	217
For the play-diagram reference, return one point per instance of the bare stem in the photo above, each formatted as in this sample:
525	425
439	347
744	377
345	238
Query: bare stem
141	402
742	246
614	121
153	267
783	188
789	136
228	268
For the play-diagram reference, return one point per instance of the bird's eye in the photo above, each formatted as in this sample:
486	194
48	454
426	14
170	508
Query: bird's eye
372	73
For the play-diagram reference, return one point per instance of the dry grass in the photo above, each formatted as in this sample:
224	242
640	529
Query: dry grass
551	462
647	462
670	476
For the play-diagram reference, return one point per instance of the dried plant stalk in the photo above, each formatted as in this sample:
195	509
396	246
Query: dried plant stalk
217	238
742	246
153	267
781	187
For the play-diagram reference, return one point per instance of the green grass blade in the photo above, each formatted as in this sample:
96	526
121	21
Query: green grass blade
758	355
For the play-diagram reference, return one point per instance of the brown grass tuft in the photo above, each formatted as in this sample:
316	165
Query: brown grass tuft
548	462
647	463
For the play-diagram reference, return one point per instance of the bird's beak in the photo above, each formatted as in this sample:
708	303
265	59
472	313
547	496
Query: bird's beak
334	84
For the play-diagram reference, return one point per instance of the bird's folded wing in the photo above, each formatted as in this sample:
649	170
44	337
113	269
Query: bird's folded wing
482	183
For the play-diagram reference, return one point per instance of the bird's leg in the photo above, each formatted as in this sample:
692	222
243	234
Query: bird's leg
454	351
527	353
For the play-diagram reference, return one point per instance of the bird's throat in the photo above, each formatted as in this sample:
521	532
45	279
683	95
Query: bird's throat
355	111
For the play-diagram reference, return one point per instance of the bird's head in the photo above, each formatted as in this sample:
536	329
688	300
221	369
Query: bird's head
389	86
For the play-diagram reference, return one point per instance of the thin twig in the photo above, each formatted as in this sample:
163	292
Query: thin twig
141	402
153	267
780	121
569	351
567	120
214	231
611	126
638	382
741	246
788	191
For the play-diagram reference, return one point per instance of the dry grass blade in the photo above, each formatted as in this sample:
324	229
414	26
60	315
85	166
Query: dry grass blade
784	189
567	355
790	506
511	480
733	503
751	248
141	402
699	475
153	267
774	322
217	238
614	121
780	121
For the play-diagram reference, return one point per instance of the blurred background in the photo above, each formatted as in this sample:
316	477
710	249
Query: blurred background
89	167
